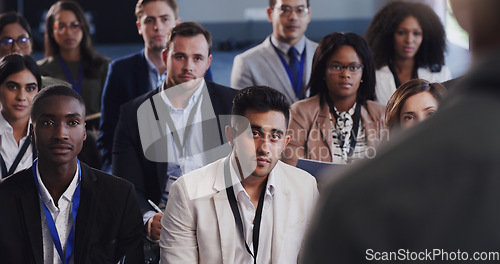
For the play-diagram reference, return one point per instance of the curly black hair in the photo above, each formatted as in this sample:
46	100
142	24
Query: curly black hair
380	34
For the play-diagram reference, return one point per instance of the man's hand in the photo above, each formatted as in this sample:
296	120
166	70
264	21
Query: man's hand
154	226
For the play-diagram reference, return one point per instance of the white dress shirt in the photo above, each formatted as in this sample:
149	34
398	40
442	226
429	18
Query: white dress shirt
9	147
248	212
62	215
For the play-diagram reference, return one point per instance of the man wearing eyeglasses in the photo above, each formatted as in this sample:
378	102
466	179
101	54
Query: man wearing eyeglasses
283	60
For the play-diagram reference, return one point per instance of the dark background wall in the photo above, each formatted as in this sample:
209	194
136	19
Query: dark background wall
229	27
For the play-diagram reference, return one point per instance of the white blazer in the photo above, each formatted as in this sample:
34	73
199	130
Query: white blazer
261	65
198	225
386	85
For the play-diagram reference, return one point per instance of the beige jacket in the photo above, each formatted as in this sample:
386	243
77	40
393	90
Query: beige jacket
310	129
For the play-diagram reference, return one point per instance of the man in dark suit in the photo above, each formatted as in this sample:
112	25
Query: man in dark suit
138	73
184	99
60	210
432	193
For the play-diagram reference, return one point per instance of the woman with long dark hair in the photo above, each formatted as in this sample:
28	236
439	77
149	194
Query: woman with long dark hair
340	122
15	34
69	54
20	81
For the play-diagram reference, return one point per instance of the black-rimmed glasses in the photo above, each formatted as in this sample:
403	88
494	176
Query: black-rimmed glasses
338	68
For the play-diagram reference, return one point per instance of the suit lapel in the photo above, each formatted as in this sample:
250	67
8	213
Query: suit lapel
325	126
87	215
225	218
280	218
142	78
310	49
272	58
30	209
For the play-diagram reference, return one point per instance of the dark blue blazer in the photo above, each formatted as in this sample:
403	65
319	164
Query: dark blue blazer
129	161
127	79
108	224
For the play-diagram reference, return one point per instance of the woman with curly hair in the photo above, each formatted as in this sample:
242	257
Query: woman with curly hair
413	102
408	41
69	54
340	122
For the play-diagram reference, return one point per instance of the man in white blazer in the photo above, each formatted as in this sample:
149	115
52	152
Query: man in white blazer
248	207
270	62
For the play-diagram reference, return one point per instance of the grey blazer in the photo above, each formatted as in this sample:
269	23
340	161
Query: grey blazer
261	65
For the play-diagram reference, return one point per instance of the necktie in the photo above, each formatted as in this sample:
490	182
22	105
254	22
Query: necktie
294	70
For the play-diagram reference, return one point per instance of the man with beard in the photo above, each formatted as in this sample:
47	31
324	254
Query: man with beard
138	73
248	207
167	132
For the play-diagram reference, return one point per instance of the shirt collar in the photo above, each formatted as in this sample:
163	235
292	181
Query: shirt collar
238	187
350	111
192	99
284	47
68	194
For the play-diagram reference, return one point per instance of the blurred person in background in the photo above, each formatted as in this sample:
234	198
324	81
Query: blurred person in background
283	60
69	54
408	41
15	35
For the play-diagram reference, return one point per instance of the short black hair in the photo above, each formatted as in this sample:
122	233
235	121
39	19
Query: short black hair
53	90
260	98
188	29
15	63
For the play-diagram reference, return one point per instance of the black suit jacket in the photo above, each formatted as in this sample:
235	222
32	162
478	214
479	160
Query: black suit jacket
129	161
108	223
127	79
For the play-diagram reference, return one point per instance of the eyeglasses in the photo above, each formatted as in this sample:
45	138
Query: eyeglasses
338	68
286	10
74	26
8	43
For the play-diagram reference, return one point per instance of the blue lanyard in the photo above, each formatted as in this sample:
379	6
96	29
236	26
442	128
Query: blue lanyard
52	225
78	86
296	86
16	161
